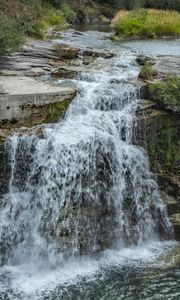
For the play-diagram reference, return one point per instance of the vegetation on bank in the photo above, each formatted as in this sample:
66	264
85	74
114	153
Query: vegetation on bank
163	144
21	18
147	23
167	93
147	71
9	36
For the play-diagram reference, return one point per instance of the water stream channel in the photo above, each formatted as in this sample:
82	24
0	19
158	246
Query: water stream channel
83	218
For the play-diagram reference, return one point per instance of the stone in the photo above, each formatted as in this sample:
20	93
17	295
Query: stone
165	65
175	219
63	72
158	131
33	72
142	60
2	90
169	260
96	54
4	166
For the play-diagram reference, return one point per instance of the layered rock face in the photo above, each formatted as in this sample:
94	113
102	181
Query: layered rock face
29	95
26	98
158	131
4	169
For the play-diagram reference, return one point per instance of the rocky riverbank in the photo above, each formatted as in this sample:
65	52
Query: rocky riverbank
29	94
158	131
26	99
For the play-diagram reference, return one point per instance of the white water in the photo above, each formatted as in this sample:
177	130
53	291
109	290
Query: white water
81	188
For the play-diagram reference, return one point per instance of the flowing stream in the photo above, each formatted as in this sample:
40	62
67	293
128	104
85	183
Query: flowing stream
83	218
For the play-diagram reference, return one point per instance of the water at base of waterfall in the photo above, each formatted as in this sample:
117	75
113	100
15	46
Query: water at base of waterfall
83	215
130	274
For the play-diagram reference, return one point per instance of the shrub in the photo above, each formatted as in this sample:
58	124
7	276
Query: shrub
69	13
9	36
32	17
51	18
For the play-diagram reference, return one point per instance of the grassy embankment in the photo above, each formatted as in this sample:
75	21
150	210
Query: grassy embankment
29	18
146	23
23	18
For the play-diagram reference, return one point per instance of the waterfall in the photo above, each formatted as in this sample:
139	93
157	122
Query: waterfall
81	186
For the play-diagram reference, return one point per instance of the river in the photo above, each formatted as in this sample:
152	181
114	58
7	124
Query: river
83	218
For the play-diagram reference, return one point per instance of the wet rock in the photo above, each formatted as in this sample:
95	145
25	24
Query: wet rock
95	54
169	260
4	166
78	33
158	131
63	72
170	192
144	91
175	219
142	60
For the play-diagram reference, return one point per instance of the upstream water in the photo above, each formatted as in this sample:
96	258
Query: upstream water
83	218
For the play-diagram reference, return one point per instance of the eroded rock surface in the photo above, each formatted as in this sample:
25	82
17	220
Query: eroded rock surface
29	95
158	131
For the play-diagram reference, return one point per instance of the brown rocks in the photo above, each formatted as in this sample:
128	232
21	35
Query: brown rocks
66	51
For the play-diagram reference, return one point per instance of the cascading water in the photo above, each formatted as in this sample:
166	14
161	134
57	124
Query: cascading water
81	186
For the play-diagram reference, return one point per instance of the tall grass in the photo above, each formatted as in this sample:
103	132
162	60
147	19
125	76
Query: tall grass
22	18
149	23
50	18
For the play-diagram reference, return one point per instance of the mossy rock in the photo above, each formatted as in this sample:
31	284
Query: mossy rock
62	72
167	93
163	144
147	72
143	60
66	51
56	110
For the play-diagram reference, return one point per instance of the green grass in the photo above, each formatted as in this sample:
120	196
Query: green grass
167	93
22	18
50	18
9	35
147	72
147	23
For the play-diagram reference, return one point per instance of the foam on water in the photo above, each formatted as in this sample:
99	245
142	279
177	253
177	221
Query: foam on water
26	282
